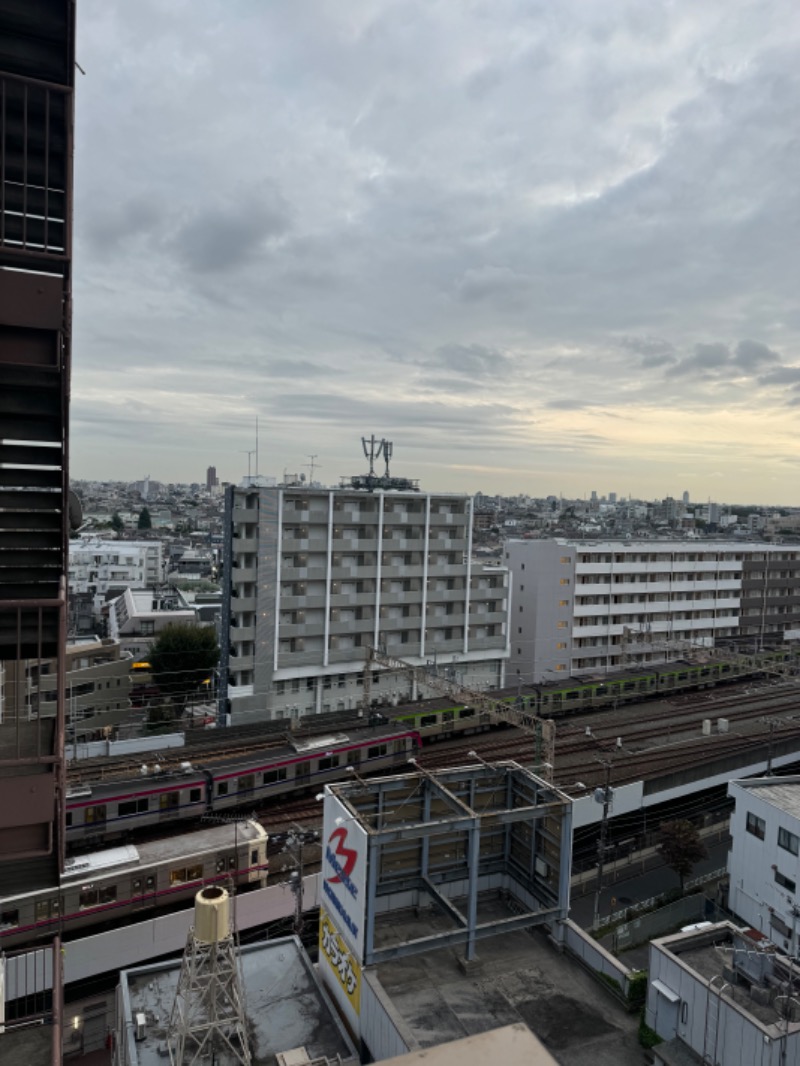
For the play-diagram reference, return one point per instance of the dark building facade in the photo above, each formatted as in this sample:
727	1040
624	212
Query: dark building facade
37	71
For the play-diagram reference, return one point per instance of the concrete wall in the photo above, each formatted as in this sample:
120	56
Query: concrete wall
593	955
537	594
382	1029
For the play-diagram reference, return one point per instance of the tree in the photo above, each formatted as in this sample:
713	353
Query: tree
116	522
681	846
181	660
145	521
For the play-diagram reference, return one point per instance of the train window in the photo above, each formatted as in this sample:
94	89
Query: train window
133	807
95	814
329	762
137	886
253	858
572	695
87	898
108	894
683	677
168	801
271	777
246	782
628	686
194	795
220	865
42	910
222	788
9	919
466	712
377	752
177	877
448	716
194	873
150	882
55	906
69	819
232	862
427	719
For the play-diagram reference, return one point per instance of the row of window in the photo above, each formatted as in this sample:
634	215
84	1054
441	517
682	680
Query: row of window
758	828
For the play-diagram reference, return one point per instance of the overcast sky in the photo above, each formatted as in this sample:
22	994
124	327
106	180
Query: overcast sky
544	247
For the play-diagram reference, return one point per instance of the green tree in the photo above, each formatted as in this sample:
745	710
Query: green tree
145	521
181	660
116	522
681	847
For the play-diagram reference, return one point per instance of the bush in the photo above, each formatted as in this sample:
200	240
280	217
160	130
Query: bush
647	1037
637	989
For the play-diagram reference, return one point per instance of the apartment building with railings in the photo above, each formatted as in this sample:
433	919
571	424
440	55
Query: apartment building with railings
588	607
313	577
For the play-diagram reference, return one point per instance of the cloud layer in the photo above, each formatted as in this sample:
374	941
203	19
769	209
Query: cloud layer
543	247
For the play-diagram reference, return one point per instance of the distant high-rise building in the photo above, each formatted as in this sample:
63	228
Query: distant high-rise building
612	497
686	498
211	478
313	577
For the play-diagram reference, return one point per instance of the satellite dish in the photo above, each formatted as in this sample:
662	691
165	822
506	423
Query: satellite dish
75	510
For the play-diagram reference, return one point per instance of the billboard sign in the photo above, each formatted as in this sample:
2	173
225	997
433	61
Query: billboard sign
344	873
342	974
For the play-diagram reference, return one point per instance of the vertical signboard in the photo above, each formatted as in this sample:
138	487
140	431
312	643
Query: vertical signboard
344	874
340	971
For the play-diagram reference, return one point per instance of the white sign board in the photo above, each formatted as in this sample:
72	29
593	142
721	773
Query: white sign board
344	873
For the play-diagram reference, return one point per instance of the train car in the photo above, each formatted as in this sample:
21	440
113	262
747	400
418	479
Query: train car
128	882
114	810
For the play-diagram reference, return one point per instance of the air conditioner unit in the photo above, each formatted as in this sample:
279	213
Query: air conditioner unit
140	1026
296	1057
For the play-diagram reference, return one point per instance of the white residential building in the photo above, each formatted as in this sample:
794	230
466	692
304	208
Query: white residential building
137	616
724	997
764	862
312	577
100	566
588	607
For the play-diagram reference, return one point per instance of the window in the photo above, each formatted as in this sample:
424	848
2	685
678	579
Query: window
328	763
563	603
562	625
43	910
95	814
376	752
87	898
222	788
788	841
271	777
178	876
755	825
194	795
246	783
561	645
133	807
168	801
9	919
564	581
194	873
785	882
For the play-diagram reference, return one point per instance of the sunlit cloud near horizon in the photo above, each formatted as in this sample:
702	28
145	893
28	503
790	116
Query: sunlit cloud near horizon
543	248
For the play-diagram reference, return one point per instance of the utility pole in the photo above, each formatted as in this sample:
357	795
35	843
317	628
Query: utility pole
601	841
773	724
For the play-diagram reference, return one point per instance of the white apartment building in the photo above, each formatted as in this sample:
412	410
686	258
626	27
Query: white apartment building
312	577
100	566
763	863
589	607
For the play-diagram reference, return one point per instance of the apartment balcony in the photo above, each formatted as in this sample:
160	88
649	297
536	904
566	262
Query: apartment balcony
245	515
400	624
352	599
302	573
245	545
243	574
495	644
447	519
242	604
365	626
346	655
354	573
301	603
445	569
241	662
487	618
242	633
301	629
289	659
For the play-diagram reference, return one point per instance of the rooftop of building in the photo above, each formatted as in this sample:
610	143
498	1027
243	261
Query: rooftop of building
512	1045
662	545
286	1007
518	977
30	1045
783	793
746	967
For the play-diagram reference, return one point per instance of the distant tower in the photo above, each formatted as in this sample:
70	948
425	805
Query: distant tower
686	498
208	1016
211	478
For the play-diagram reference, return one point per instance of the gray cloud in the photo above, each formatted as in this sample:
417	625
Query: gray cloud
428	206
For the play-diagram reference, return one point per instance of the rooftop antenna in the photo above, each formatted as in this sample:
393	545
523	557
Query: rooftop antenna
208	1016
388	448
249	455
312	466
372	450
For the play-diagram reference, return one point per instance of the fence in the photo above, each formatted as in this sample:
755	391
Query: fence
686	911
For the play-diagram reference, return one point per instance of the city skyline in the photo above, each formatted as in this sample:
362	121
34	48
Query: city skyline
540	248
